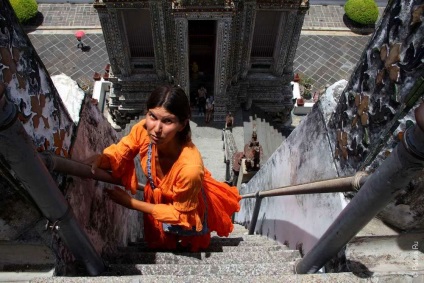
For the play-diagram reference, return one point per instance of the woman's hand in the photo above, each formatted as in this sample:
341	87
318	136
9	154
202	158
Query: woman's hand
120	197
98	161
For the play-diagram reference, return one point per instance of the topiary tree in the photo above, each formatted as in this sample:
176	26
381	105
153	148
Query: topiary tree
364	12
25	10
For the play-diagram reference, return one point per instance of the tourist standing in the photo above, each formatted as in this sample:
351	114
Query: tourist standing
182	203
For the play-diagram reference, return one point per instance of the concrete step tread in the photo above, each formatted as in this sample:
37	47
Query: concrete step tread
212	248
23	256
306	278
240	240
204	257
245	269
386	253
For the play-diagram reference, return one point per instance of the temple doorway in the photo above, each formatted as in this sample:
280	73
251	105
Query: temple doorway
202	43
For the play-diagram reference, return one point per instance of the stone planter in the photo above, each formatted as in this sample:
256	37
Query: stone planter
300	102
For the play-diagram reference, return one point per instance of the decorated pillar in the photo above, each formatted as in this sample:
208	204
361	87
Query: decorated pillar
115	40
285	49
249	27
182	75
222	60
159	37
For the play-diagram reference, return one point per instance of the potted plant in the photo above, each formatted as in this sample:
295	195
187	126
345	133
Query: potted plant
25	10
306	87
361	15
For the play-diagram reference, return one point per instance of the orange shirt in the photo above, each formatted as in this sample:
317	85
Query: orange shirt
178	190
177	195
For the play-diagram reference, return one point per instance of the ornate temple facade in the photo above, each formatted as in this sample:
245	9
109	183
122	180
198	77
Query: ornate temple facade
241	51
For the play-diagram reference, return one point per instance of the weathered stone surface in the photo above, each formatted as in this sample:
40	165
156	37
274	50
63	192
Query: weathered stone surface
305	156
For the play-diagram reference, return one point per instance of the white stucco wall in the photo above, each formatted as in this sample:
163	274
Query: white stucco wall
107	224
305	156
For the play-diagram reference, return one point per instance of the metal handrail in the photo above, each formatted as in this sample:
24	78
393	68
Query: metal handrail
68	166
377	190
404	163
338	185
18	151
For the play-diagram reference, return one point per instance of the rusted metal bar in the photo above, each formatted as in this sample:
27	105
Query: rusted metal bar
79	169
339	185
393	175
345	184
18	151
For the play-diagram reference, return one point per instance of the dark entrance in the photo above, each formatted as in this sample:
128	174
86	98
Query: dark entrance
202	42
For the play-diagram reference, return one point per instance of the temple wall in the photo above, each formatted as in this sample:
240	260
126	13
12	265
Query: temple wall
353	129
305	156
60	118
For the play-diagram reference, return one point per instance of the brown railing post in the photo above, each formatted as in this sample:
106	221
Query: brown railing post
258	201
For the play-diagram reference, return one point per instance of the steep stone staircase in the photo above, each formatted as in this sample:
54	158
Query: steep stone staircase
238	258
238	255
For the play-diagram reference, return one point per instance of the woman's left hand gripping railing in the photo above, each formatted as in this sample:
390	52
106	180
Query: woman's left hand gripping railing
67	166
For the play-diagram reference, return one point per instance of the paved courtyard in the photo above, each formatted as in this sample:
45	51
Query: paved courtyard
60	54
324	58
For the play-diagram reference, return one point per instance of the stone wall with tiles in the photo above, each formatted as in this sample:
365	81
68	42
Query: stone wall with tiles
377	105
25	81
107	224
49	119
355	131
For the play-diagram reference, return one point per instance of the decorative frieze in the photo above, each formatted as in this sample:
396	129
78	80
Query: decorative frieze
204	5
282	4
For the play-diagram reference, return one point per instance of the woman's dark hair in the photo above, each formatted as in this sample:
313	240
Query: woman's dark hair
175	101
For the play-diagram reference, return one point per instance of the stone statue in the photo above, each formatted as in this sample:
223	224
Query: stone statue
252	153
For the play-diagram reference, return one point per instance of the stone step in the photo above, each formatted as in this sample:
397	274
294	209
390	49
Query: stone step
386	253
212	248
217	245
26	257
238	227
234	234
204	258
236	240
306	278
203	270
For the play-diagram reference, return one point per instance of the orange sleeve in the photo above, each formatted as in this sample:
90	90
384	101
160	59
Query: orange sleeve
122	154
186	190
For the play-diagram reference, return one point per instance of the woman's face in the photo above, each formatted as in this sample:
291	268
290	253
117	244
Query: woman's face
162	126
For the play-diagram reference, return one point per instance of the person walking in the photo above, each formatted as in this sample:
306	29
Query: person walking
201	100
182	203
209	108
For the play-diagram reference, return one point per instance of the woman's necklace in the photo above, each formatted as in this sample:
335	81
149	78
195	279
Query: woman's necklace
165	163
